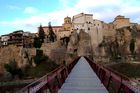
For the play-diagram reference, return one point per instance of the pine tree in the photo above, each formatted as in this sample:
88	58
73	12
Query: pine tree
52	36
41	34
132	46
37	43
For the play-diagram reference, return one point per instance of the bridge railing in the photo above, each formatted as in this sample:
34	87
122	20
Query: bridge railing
113	82
51	82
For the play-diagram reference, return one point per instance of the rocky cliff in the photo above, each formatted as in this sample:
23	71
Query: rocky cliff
84	45
73	43
80	43
19	54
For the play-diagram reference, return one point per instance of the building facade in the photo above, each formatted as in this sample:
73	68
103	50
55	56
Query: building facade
66	28
28	39
56	29
92	26
16	38
4	40
82	21
60	31
67	24
121	21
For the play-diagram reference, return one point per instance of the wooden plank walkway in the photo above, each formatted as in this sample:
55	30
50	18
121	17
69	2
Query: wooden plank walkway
82	79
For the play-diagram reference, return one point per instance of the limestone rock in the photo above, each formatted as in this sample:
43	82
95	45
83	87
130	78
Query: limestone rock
80	43
58	55
13	52
48	47
84	45
73	43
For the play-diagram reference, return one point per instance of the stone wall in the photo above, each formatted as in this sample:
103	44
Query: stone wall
48	47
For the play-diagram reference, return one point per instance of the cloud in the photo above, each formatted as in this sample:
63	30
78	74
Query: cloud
105	10
96	3
31	23
30	10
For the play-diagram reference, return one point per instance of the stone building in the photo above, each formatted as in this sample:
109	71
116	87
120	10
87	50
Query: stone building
82	21
92	26
16	38
4	40
67	24
60	31
121	21
66	28
96	32
56	29
28	39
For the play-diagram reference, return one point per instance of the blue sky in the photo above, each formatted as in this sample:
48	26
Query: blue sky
28	14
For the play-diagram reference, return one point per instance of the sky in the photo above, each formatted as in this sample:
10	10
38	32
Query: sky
27	15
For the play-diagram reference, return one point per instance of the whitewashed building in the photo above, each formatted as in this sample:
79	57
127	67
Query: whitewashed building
82	21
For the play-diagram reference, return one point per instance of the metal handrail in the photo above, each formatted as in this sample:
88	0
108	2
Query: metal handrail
111	78
59	75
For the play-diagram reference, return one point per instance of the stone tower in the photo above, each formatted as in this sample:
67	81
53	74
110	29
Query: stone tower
67	23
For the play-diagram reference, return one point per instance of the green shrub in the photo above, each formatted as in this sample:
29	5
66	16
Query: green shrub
13	69
128	69
39	59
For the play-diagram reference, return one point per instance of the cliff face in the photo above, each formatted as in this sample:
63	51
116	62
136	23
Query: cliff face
48	47
73	43
54	51
84	45
23	55
80	43
18	54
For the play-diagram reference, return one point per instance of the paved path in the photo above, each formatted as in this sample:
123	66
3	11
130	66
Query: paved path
82	79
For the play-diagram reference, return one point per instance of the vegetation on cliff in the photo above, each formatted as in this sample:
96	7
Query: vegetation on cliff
13	69
128	69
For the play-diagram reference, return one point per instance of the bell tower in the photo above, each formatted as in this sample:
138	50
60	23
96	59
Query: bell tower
67	23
